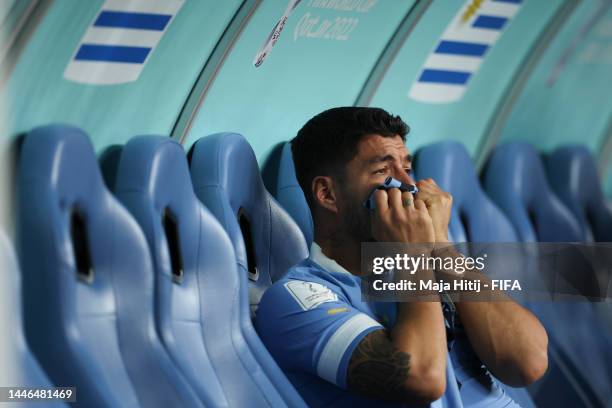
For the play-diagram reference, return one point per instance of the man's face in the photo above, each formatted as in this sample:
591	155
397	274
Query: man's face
377	158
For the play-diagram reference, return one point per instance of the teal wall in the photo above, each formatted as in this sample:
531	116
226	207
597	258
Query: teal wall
465	120
323	58
576	106
39	94
303	75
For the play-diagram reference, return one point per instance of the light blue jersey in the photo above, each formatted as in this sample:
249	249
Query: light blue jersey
312	320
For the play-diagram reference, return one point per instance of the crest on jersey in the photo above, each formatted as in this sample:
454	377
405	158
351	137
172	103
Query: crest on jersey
310	294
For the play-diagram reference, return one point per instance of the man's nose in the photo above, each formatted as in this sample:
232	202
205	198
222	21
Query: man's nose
404	177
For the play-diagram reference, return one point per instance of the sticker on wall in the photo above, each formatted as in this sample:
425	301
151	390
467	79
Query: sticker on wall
266	48
461	50
120	40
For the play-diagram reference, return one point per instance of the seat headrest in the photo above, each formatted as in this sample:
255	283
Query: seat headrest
291	196
60	186
155	166
573	176
61	160
516	181
474	217
226	178
154	182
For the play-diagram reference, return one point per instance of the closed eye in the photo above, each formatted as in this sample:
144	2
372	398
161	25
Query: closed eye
381	171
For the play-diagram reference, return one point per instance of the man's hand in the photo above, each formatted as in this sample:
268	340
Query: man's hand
402	364
439	204
399	217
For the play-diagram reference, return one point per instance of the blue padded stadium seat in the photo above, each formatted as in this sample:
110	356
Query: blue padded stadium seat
88	280
572	174
474	216
153	183
198	282
27	372
226	179
266	241
515	179
290	195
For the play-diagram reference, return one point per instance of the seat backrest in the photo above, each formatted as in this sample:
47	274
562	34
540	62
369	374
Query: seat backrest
153	183
291	196
474	217
572	174
25	370
88	280
515	180
266	241
200	300
226	179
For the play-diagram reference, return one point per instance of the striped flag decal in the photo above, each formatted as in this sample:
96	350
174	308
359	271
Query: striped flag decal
120	40
462	48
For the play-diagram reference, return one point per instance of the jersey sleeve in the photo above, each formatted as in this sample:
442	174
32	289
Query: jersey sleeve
311	327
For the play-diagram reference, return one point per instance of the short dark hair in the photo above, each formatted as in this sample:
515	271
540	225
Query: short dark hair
328	141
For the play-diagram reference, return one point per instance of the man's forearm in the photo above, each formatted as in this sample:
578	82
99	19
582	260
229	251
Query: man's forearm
507	338
420	331
408	362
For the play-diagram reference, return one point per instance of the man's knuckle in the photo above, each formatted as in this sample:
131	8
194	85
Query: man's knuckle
396	216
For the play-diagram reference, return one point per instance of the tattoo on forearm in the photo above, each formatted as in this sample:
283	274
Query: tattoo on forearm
378	368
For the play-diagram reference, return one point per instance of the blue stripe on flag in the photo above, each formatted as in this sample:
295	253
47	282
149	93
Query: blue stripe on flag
142	21
112	53
510	1
492	22
444	77
461	48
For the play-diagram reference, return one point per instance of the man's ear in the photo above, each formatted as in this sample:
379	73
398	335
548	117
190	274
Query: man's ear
324	193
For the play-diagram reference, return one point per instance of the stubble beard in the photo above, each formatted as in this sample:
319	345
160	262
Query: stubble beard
356	219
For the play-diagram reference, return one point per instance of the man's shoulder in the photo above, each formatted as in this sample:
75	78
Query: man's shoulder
305	269
304	286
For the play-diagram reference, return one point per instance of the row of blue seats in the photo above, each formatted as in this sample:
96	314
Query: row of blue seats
140	298
156	312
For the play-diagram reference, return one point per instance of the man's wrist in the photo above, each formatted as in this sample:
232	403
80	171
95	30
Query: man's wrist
443	247
416	277
442	238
